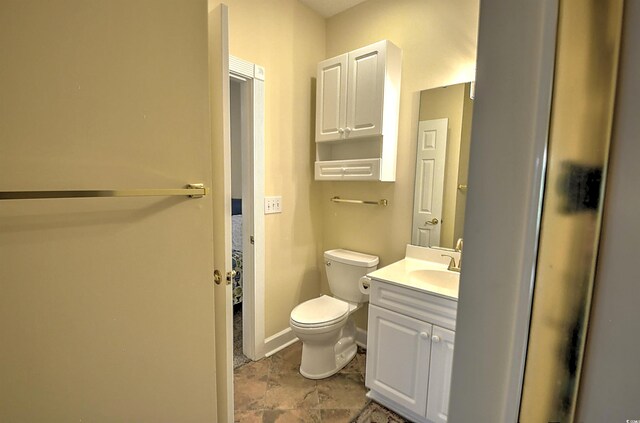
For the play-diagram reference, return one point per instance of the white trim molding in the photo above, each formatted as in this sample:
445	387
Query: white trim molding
516	57
279	341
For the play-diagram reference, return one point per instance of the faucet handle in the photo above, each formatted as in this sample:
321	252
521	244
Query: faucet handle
452	260
452	263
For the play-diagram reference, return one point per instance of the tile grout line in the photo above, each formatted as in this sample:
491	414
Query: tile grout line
283	360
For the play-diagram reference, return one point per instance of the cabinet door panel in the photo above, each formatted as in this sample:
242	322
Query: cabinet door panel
398	358
366	86
331	98
440	375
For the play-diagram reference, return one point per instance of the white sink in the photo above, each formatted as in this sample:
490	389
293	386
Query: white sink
435	277
423	269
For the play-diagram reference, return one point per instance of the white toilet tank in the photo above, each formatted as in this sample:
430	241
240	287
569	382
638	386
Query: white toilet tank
344	270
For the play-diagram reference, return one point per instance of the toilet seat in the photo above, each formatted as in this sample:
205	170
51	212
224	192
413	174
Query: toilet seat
319	312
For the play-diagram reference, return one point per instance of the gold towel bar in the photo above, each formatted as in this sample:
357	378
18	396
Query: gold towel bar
382	202
192	190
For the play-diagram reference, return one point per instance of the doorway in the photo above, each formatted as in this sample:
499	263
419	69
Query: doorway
238	266
246	83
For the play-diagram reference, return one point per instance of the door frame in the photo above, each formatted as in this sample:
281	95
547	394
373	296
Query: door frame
252	87
504	205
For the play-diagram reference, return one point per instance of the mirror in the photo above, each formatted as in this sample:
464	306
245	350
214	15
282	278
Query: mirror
442	164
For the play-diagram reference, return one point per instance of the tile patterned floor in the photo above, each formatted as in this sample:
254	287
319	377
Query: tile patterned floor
239	359
272	390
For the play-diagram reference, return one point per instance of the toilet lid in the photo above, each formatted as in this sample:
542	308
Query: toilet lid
319	311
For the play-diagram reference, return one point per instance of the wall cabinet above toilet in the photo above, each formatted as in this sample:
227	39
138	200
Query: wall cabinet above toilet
357	107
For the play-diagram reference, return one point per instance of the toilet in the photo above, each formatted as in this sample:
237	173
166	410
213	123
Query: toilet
325	324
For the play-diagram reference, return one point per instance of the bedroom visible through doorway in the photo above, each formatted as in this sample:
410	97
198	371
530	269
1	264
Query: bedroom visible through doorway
246	89
237	247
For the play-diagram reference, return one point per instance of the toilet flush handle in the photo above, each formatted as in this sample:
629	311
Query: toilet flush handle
328	263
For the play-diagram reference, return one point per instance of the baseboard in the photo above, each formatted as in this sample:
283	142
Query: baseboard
361	338
279	341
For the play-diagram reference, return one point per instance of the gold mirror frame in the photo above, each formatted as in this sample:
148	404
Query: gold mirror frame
588	45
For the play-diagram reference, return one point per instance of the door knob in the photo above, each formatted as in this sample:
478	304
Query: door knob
433	221
217	276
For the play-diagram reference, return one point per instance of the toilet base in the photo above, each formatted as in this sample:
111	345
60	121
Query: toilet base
326	354
341	360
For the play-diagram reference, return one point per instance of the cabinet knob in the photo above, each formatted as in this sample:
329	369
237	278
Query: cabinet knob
347	130
425	336
435	338
340	130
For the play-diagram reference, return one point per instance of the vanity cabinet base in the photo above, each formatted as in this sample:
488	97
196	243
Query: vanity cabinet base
409	355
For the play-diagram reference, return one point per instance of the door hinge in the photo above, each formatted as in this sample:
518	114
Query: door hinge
252	240
230	276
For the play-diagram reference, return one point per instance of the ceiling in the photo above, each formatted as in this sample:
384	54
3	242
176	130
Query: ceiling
329	8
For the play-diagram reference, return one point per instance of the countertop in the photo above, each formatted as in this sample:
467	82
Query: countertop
398	273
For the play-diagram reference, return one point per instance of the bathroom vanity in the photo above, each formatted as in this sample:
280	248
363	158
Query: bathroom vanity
412	314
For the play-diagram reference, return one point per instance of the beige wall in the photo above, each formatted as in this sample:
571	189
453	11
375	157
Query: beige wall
447	102
288	39
438	42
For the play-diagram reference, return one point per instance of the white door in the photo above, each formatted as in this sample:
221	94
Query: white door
365	87
331	99
430	162
221	193
440	374
398	358
106	304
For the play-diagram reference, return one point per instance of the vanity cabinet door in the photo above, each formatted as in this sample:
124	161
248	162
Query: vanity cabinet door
331	99
366	91
440	374
398	351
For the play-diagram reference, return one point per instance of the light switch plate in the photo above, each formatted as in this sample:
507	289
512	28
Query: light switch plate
272	205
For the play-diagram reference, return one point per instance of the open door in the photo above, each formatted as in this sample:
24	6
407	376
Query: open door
106	304
221	193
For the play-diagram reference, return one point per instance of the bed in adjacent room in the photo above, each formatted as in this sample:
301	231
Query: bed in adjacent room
236	249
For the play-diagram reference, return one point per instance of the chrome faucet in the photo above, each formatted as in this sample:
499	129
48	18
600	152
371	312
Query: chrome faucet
452	263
